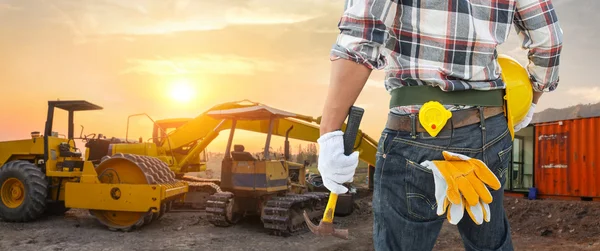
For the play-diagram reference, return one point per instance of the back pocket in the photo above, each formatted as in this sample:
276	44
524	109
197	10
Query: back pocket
504	157
420	192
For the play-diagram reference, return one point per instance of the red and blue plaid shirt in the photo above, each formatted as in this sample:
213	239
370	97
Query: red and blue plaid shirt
448	43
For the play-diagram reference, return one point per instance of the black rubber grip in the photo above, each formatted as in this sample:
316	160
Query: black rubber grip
354	117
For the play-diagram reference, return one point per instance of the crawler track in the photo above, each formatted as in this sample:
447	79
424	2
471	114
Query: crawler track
282	215
220	209
199	192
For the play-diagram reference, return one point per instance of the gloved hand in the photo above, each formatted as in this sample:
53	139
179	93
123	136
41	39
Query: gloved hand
335	167
525	121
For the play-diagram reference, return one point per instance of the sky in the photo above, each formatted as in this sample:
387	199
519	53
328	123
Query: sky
178	58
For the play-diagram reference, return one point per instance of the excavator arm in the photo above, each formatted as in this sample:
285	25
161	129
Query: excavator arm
300	130
180	148
206	127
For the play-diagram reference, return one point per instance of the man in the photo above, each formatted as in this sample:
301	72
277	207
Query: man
429	49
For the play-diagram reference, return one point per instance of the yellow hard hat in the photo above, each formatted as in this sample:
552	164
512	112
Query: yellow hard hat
518	93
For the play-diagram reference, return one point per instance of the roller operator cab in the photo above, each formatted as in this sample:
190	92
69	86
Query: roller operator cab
48	174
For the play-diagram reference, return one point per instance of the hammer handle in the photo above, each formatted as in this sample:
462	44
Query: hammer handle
330	208
354	117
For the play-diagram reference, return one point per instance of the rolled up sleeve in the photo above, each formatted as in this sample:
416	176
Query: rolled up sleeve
363	32
537	24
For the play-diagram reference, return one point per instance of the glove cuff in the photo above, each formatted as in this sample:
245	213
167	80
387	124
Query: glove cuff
327	136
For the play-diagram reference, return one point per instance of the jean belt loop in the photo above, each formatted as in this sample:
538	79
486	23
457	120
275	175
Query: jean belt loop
413	125
482	118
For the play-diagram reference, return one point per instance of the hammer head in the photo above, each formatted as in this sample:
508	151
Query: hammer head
325	228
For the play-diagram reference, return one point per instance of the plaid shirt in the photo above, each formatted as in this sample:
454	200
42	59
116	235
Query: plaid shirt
449	44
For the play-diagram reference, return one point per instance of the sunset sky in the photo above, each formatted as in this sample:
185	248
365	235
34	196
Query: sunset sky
134	56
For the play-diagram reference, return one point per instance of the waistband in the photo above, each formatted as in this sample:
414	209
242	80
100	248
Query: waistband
418	95
461	118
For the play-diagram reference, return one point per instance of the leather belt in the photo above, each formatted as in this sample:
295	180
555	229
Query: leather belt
459	119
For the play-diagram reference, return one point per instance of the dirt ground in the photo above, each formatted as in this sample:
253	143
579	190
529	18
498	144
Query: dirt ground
536	225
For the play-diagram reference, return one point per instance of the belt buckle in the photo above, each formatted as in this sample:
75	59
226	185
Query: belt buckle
433	116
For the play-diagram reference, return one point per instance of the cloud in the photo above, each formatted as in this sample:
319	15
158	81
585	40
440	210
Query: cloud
110	17
8	7
364	105
204	64
375	83
263	15
583	94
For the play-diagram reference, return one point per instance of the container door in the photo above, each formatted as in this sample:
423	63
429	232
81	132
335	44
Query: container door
520	175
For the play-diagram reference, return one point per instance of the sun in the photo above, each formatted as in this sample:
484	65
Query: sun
182	91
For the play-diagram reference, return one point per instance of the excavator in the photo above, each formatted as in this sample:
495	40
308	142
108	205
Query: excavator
249	185
272	187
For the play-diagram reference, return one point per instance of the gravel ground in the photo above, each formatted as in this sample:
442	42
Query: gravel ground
536	225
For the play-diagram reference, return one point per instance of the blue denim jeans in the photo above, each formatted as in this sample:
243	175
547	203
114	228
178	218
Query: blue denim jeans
404	204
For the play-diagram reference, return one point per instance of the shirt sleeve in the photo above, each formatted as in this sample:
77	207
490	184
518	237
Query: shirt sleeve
537	25
363	32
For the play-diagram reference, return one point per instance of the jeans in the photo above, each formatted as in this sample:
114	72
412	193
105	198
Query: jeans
404	204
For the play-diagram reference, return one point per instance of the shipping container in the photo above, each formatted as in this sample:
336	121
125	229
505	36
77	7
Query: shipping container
560	159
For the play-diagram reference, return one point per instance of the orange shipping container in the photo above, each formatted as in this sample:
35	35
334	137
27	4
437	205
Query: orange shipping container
567	158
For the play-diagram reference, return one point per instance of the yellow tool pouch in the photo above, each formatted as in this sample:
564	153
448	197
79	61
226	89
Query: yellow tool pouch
433	116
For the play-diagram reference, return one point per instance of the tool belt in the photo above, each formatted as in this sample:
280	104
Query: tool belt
488	103
418	95
459	119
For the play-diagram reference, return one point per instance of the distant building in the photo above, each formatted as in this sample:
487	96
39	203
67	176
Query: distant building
558	155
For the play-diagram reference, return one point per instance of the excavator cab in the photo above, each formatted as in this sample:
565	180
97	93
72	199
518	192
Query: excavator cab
253	185
239	154
246	174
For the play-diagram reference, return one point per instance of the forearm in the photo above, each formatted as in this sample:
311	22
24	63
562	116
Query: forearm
537	96
346	82
541	34
357	51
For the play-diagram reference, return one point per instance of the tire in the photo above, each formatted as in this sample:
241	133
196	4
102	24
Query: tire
33	202
56	208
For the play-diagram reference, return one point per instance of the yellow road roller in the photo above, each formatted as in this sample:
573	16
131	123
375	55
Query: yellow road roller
47	174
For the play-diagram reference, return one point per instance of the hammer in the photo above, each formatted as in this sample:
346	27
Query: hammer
325	227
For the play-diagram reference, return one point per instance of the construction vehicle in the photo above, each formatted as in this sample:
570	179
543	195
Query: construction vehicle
248	184
270	186
181	142
47	173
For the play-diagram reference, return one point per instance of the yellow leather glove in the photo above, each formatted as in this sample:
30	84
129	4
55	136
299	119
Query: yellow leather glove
468	176
461	175
443	192
478	213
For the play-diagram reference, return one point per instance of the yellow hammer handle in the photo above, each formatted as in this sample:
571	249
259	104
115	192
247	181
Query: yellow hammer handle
330	208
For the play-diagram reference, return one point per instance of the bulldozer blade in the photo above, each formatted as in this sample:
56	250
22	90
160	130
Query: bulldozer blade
325	228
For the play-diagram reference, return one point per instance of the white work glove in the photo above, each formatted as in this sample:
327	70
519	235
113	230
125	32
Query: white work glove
456	212
523	123
479	212
335	167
